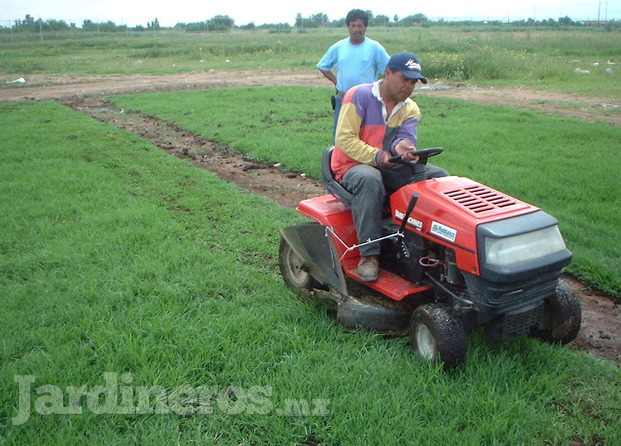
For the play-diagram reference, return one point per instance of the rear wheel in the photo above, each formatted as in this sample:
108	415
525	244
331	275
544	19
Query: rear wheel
563	316
292	270
437	334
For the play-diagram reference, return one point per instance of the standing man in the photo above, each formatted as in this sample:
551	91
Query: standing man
357	59
378	121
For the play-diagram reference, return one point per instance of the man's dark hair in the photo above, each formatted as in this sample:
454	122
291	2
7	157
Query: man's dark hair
356	14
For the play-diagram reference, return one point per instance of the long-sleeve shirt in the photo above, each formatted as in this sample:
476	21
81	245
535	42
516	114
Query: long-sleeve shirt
364	129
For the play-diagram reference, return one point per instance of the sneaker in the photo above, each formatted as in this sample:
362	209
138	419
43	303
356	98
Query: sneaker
368	268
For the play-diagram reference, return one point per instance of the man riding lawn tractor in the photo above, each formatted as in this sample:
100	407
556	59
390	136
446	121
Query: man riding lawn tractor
398	245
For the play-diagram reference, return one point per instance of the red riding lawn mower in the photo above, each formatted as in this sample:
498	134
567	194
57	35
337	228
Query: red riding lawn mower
456	255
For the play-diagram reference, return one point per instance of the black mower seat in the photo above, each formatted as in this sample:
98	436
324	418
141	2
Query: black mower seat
327	177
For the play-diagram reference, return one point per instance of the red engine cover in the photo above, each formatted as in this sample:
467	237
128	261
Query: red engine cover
449	209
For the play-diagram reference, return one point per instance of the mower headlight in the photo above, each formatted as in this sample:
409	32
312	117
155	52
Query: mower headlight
523	247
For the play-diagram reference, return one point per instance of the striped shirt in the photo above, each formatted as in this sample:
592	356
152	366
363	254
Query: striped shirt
364	130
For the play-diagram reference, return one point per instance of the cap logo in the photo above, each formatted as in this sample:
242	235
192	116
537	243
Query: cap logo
412	65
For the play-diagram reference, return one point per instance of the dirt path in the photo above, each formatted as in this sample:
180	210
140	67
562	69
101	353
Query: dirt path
600	334
58	87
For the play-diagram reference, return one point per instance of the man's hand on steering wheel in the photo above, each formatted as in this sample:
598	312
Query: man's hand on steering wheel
405	155
385	160
405	149
409	157
418	155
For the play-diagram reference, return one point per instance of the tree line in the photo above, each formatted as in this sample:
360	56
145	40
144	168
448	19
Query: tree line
226	23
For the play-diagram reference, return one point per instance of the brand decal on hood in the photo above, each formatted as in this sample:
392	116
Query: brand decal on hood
443	231
418	225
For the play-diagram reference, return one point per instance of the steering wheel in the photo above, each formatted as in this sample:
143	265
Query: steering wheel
423	153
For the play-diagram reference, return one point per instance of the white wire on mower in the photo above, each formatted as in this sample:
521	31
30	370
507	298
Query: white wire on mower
368	242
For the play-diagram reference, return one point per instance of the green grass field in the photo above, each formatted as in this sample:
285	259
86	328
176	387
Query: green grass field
568	167
142	302
126	272
477	54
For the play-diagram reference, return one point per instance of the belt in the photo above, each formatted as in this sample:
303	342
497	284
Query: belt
340	93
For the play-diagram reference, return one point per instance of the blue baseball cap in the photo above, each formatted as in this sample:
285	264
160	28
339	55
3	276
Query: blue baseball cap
408	64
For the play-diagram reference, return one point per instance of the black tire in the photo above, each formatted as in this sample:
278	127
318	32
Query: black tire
437	334
293	272
563	316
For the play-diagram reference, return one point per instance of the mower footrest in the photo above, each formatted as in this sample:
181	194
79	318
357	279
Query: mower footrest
389	284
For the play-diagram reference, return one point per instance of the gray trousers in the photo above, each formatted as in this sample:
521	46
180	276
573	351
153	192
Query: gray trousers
368	195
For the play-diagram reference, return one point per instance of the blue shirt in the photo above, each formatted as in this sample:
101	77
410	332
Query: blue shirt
355	64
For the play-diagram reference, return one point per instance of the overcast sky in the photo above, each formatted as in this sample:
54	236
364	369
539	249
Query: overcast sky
171	12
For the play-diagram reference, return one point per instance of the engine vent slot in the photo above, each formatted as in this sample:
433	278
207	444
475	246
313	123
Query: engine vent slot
480	198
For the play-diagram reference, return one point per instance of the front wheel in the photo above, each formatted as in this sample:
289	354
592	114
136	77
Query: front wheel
563	316
293	272
437	334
